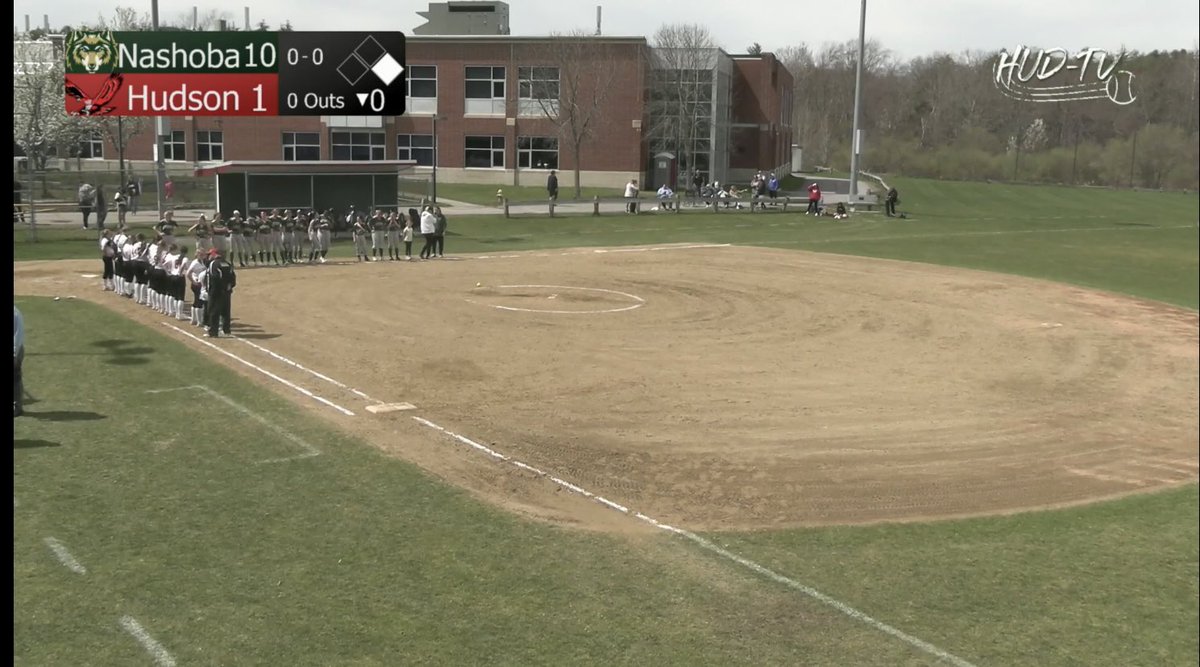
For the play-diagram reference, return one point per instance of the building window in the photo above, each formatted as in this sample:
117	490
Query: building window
92	146
537	91
301	146
358	146
174	146
485	91
485	152
417	147
537	153
210	146
422	89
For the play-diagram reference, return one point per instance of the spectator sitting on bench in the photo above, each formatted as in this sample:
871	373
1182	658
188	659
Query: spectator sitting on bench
734	193
665	195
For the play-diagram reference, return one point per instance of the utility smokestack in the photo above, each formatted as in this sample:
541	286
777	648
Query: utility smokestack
27	24
597	19
247	19
46	22
195	18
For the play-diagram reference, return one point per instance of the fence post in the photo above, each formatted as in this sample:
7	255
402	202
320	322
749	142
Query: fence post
676	202
596	205
505	200
551	208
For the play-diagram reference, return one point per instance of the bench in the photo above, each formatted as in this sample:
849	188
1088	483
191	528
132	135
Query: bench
756	204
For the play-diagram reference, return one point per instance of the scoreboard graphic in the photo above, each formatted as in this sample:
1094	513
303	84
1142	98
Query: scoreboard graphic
235	73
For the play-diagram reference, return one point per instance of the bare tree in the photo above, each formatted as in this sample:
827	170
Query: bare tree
682	70
125	19
571	89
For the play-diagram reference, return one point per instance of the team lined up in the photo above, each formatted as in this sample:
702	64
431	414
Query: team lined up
157	274
279	237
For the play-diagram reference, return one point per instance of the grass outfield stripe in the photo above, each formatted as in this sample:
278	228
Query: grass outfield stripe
268	373
64	556
161	657
821	597
999	232
309	450
809	591
308	370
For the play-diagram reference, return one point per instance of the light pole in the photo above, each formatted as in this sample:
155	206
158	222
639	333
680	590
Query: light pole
433	193
160	172
855	140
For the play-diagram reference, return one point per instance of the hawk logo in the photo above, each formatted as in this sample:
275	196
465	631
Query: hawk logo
93	50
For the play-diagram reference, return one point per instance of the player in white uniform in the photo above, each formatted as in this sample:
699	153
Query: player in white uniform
151	261
177	282
127	281
119	261
159	276
195	274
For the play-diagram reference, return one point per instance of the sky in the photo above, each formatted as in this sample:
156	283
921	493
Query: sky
907	28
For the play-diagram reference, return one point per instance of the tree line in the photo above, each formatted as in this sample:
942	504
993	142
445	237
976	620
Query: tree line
942	116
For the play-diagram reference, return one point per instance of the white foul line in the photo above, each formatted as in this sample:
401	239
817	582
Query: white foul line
308	370
269	374
64	556
309	450
161	657
724	553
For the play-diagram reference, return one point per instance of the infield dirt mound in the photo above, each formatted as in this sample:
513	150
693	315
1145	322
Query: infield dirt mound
731	388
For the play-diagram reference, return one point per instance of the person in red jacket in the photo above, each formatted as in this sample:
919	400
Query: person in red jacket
814	199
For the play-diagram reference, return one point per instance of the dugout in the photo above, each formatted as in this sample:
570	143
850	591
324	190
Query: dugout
253	186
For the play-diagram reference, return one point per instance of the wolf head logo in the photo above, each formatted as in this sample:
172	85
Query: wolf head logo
93	50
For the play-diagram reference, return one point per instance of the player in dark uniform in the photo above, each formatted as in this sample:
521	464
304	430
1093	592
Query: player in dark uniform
276	221
379	226
249	231
289	229
395	225
359	231
262	237
166	227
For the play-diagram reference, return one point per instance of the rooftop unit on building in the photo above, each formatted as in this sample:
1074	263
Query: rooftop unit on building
464	18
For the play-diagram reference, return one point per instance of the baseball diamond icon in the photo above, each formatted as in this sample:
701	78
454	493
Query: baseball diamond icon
370	56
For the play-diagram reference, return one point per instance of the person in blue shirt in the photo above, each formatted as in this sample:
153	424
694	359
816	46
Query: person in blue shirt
18	358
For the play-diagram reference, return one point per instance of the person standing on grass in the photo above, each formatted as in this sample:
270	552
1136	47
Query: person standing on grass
428	232
440	230
18	361
772	187
552	185
166	227
87	199
134	191
814	199
631	193
893	198
108	253
121	202
118	243
101	207
202	230
18	209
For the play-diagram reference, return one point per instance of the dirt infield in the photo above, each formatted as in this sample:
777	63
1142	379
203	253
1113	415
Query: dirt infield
729	388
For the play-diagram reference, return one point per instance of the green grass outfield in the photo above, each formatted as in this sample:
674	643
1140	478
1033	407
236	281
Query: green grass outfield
225	561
